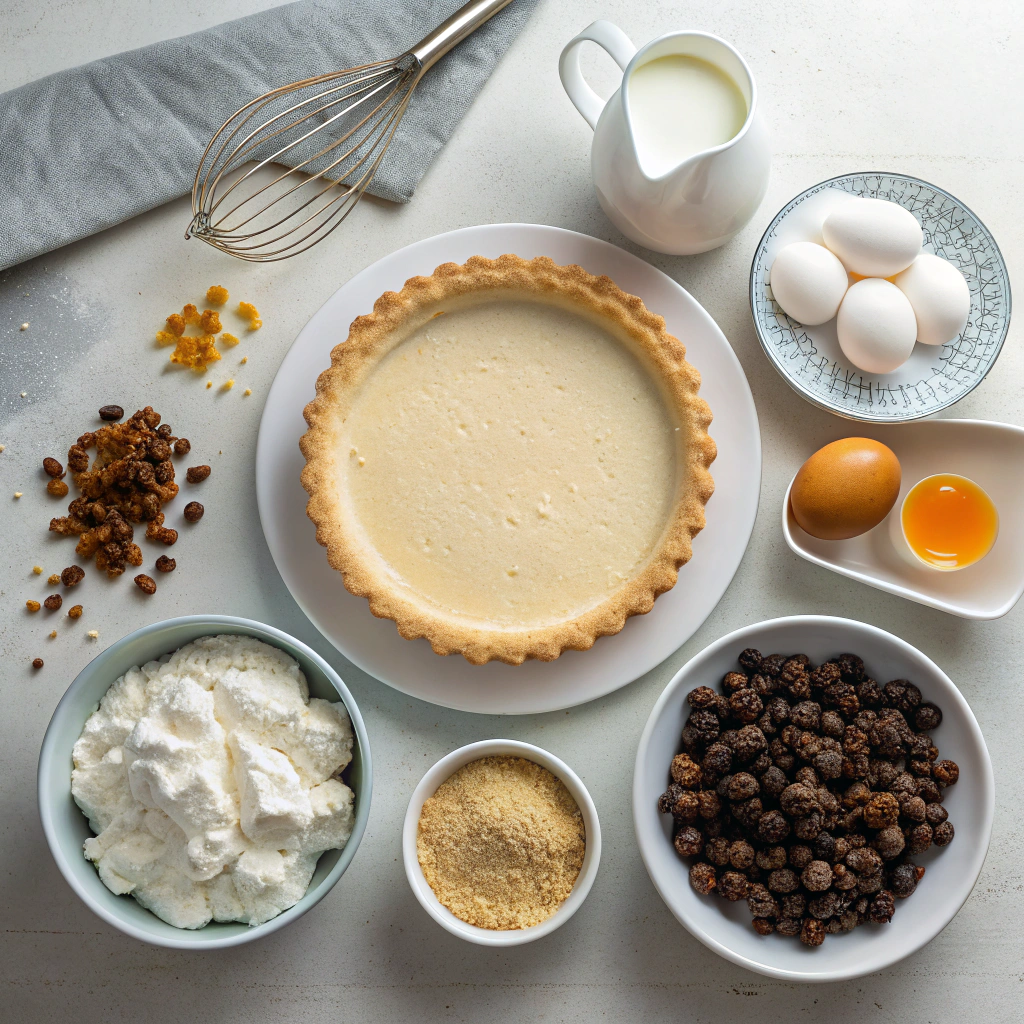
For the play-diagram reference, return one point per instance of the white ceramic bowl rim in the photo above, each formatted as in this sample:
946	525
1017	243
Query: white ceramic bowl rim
737	640
49	757
442	770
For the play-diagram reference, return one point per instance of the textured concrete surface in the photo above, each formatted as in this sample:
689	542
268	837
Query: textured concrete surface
930	89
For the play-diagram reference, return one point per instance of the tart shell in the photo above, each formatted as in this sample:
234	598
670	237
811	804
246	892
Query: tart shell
371	337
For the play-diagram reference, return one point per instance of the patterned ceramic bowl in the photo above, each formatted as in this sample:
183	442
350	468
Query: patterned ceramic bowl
809	358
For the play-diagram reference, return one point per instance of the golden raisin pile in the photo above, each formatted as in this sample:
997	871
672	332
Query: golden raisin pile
130	477
197	350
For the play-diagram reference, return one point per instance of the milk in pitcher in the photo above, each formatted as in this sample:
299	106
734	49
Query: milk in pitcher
680	106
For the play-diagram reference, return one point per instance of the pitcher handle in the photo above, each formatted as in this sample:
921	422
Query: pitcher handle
615	43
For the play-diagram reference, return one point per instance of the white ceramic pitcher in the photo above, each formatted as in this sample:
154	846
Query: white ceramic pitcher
703	201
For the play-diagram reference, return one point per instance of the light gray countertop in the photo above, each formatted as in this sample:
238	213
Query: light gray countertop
932	90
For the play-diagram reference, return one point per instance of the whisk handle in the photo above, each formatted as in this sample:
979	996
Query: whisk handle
462	23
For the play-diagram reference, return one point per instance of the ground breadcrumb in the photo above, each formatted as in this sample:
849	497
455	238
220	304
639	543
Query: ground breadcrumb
501	843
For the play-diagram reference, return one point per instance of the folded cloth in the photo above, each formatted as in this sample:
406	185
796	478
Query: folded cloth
84	149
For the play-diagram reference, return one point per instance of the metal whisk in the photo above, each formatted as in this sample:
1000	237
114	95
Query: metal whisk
333	130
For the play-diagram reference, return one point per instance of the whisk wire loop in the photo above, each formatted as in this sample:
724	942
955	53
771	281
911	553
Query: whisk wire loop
328	134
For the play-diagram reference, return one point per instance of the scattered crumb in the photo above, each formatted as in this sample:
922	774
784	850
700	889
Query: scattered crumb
249	312
247	391
53	634
17	494
209	322
24	394
228	384
167	338
195	352
93	634
190	314
24	326
209	384
33	606
229	339
37	569
54	579
75	611
243	361
2	447
216	295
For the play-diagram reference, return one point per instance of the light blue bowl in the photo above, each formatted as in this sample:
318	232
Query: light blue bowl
66	828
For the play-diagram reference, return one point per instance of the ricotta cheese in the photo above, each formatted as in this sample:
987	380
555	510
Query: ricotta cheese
211	781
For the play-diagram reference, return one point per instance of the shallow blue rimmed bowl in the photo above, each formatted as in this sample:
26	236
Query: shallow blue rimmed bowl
66	828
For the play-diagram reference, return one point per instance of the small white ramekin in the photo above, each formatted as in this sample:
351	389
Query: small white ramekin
898	533
428	786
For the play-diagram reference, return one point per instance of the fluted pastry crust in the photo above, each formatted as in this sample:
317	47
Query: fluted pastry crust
372	336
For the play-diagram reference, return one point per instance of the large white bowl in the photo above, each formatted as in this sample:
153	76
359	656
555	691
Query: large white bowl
428	786
66	827
951	872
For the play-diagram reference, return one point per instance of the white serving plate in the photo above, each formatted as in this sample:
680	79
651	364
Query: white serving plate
990	454
577	676
810	359
950	872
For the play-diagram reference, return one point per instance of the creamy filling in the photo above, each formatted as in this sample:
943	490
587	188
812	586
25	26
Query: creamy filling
512	462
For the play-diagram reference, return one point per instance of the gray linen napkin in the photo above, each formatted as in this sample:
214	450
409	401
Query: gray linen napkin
84	149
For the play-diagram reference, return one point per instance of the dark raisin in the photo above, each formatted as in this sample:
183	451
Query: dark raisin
145	583
927	717
733	885
746	705
717	758
111	413
53	602
883	906
197	474
688	842
919	839
702	877
798	800
742	786
751	660
945	773
812	932
903	880
72	575
37	663
702	697
685	772
733	681
51	467
890	842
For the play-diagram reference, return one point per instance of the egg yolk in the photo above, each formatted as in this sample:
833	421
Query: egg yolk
949	521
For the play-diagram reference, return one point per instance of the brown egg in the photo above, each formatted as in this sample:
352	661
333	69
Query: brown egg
845	488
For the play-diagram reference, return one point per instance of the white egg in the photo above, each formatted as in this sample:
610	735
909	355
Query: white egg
873	237
876	326
939	296
808	282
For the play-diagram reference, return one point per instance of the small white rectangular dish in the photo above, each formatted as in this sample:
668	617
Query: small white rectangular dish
990	454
